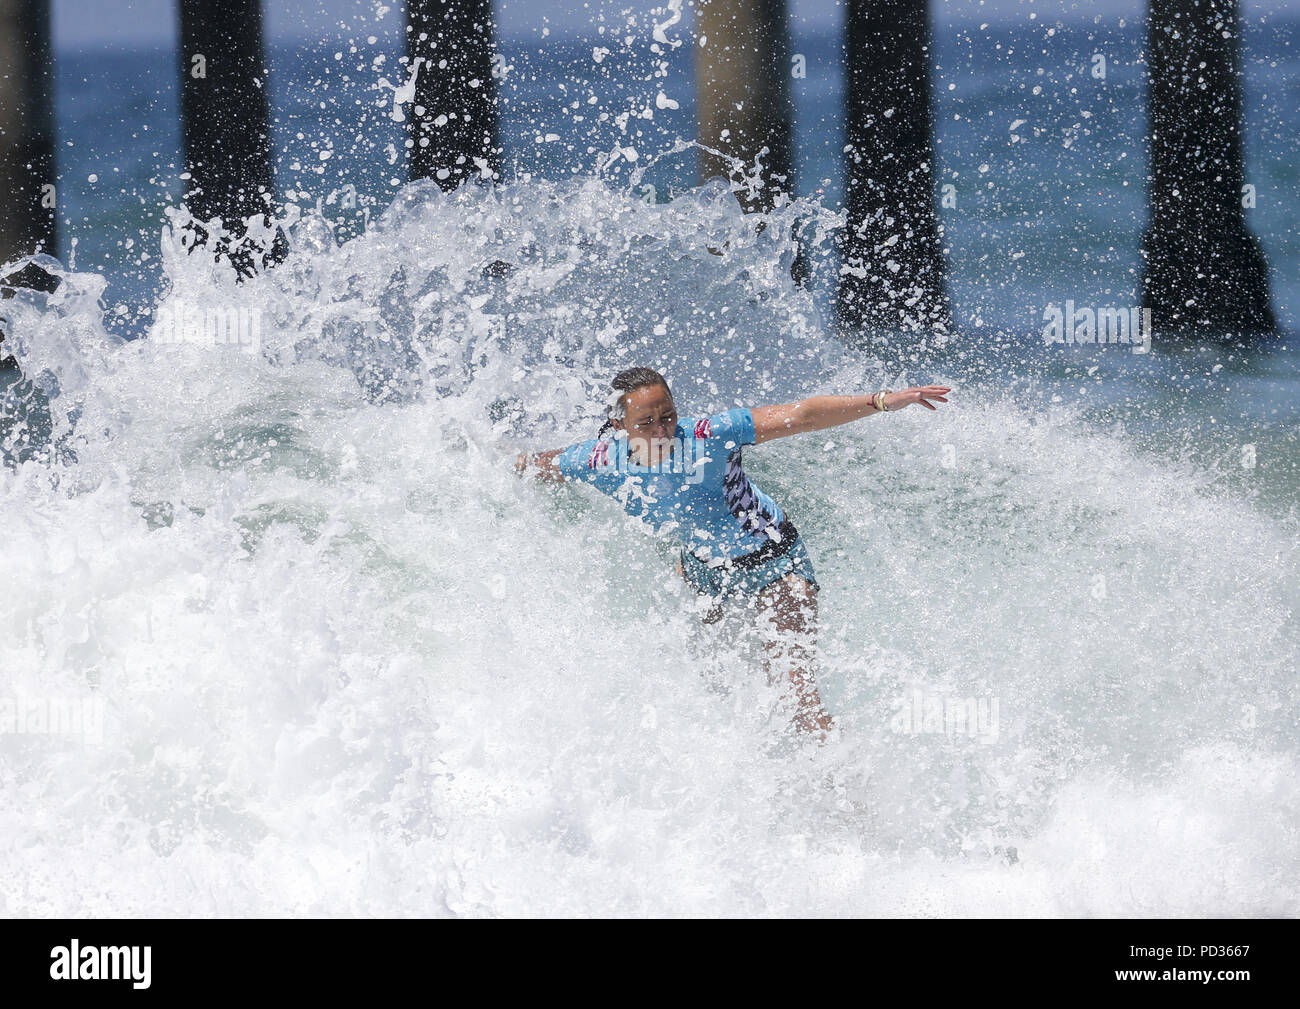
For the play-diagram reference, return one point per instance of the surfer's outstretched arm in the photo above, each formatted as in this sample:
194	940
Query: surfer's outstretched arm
819	412
543	463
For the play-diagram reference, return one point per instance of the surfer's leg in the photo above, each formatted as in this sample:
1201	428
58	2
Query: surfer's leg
789	607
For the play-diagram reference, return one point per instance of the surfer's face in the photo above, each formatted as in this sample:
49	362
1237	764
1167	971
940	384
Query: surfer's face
650	420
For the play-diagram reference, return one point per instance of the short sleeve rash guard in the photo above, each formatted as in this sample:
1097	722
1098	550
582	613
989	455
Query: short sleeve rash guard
699	496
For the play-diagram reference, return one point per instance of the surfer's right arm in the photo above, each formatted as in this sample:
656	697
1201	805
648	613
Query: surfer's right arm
543	463
582	462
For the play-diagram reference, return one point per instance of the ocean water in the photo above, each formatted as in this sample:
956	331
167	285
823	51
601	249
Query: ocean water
334	657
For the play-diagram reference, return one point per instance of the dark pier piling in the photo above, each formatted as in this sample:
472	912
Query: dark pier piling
1202	268
893	275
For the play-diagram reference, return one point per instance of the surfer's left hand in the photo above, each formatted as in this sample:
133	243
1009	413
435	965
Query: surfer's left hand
918	394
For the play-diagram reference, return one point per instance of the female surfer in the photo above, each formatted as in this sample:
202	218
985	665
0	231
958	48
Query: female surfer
683	476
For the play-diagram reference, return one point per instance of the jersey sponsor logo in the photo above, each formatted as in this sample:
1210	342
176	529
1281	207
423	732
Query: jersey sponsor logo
703	429
599	455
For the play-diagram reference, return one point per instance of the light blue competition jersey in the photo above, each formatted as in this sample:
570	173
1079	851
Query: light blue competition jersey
699	496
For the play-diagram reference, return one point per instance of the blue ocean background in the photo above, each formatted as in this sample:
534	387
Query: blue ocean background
1058	212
